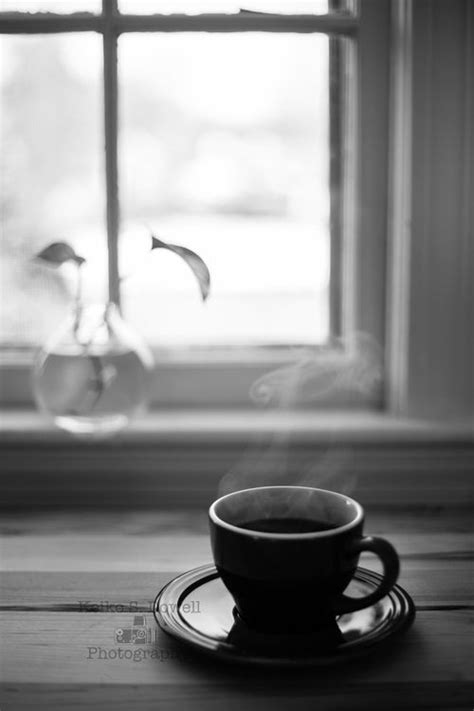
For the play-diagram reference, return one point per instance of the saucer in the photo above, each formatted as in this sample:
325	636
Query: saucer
197	609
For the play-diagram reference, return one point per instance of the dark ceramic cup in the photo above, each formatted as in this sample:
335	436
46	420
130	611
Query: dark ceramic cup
289	573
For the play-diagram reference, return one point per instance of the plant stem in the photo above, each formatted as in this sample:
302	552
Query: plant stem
96	384
78	301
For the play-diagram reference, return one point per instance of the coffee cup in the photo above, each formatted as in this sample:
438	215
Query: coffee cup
287	553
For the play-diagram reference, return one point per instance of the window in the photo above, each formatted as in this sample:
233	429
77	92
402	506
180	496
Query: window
273	140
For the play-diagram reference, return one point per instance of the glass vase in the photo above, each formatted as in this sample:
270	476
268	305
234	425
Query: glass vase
92	377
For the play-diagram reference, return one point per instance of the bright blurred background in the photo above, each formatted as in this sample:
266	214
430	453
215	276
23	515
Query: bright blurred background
223	148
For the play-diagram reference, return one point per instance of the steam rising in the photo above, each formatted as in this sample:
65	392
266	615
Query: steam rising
355	368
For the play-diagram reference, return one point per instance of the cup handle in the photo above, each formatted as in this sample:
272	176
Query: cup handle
391	568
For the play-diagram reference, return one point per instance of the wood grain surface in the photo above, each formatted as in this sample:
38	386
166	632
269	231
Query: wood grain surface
71	579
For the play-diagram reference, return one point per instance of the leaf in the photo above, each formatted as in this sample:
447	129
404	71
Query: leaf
59	252
193	260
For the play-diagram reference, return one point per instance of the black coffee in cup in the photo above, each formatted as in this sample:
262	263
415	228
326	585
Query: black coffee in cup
287	525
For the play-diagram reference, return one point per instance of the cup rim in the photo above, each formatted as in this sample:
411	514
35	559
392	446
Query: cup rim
215	518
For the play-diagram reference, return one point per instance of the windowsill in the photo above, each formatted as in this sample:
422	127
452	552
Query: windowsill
180	459
220	426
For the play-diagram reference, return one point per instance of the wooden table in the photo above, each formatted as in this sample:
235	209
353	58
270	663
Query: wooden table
71	579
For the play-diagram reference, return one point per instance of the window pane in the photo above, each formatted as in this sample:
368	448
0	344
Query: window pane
225	149
51	172
194	7
60	6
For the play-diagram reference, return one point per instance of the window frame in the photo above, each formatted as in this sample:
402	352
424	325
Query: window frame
382	252
228	373
430	278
